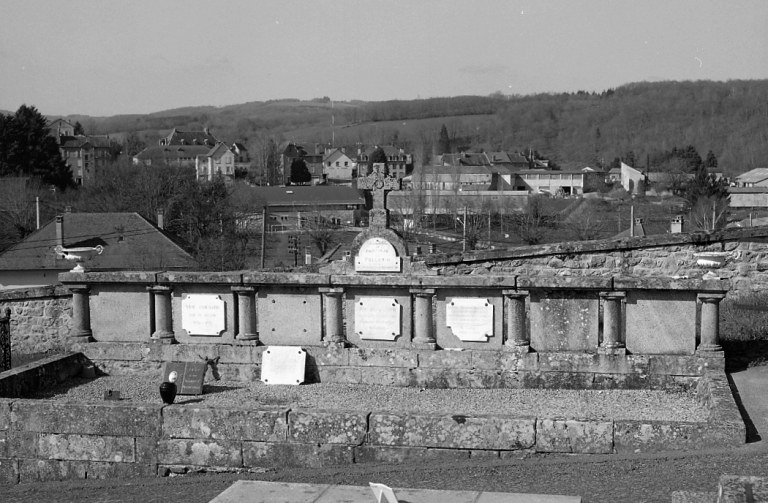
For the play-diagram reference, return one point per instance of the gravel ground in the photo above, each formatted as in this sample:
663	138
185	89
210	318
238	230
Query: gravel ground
569	404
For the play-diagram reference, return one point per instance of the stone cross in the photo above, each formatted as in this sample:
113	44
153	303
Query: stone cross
379	184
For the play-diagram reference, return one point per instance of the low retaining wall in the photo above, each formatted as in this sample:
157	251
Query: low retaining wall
41	318
41	374
45	440
426	369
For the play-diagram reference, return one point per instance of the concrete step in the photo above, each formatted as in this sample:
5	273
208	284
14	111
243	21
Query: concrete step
253	491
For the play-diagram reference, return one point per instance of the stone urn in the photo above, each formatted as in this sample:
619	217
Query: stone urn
168	389
79	254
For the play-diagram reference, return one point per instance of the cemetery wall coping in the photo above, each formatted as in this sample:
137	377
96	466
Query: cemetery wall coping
602	245
617	282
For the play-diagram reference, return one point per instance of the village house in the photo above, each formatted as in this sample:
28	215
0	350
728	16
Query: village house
217	162
399	163
86	155
129	241
338	167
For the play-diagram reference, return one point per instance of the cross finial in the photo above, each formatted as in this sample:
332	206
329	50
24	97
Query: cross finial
379	184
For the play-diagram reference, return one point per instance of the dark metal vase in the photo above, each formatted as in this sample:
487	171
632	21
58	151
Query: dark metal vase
168	392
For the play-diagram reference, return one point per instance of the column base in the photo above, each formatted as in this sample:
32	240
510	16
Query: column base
162	338
247	339
429	346
80	337
710	351
337	344
612	350
519	349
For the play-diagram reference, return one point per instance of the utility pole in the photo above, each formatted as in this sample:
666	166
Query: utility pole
464	232
263	233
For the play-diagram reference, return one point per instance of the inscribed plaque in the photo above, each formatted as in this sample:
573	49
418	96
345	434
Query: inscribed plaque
283	365
377	318
203	315
470	319
377	255
190	376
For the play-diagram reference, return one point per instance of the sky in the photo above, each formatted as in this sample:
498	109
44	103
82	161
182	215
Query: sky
102	58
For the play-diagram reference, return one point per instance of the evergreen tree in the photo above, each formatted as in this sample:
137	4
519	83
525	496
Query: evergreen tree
300	172
27	149
711	160
444	141
79	129
378	156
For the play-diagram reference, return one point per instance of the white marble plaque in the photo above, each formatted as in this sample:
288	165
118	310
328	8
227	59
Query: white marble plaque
470	319
377	255
203	315
283	365
377	318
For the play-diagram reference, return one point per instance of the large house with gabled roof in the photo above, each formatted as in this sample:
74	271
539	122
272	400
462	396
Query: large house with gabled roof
87	156
130	243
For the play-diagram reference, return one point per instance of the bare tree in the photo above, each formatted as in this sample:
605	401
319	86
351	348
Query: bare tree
710	213
531	223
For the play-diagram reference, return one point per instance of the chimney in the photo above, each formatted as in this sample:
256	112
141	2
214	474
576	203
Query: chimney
60	230
161	218
676	226
67	209
639	229
206	130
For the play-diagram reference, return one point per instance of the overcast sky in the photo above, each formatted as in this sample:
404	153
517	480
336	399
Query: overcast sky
139	56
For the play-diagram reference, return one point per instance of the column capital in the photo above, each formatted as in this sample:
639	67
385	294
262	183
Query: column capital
329	290
710	296
240	289
613	295
79	288
160	288
515	294
422	292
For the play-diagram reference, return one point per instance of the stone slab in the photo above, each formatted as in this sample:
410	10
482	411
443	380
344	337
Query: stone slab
213	453
203	314
225	313
572	436
289	317
120	313
661	322
403	299
327	427
378	318
91	419
283	365
86	448
454	307
182	421
252	491
452	431
270	454
564	320
470	318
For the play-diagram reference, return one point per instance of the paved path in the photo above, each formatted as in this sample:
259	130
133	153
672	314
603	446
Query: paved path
597	478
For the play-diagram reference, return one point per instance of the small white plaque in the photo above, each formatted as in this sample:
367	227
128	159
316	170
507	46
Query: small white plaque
470	319
283	365
203	315
377	255
377	318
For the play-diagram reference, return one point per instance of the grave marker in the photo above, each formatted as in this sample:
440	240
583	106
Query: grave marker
190	376
378	318
203	315
470	319
283	365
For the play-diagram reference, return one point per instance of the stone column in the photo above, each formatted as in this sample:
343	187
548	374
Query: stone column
423	335
246	315
710	322
163	322
81	314
333	299
517	331
612	343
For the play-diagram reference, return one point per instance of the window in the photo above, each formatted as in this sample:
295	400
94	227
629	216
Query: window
337	164
346	163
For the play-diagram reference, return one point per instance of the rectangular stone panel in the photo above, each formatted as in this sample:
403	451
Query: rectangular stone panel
120	313
378	318
86	448
452	431
327	427
94	419
224	453
221	423
289	317
223	313
403	334
661	322
571	436
657	436
267	454
564	320
473	313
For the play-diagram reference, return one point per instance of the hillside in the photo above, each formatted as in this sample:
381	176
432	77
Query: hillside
575	129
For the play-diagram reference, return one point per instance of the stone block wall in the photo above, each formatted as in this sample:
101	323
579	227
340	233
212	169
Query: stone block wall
667	255
48	440
41	318
421	368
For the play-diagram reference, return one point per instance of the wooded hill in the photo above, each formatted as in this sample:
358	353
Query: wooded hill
640	121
